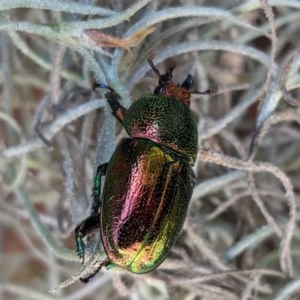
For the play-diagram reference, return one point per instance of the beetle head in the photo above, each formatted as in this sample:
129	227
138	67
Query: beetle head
166	86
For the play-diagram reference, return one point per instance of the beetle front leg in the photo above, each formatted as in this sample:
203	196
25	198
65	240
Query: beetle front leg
117	109
86	227
113	99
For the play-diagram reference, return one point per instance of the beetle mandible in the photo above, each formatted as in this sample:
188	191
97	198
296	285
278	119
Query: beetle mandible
149	178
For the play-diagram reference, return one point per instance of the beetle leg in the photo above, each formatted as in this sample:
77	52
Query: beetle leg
211	91
88	278
113	99
117	109
86	227
188	82
101	171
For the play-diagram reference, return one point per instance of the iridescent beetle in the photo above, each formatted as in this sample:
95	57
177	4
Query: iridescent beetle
149	179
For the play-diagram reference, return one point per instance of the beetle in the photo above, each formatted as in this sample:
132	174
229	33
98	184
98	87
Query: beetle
149	178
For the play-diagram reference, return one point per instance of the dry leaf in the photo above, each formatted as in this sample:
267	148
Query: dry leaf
105	40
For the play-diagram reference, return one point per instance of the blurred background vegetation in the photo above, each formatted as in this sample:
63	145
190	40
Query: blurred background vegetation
241	239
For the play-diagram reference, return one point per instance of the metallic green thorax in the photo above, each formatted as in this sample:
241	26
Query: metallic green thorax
164	120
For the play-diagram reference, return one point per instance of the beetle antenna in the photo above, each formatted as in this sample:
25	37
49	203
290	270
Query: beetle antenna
211	91
150	58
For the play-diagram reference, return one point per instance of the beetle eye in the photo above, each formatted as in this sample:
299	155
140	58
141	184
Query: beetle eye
158	90
188	83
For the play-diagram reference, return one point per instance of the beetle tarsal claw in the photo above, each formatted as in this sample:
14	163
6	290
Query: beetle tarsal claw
97	85
84	280
81	257
87	279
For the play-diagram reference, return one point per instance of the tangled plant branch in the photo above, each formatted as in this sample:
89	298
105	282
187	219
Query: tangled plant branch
241	226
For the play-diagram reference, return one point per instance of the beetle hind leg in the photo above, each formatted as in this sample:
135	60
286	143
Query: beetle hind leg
85	228
88	278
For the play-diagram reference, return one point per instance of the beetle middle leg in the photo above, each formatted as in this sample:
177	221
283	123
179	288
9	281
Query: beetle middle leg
92	223
101	171
88	226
